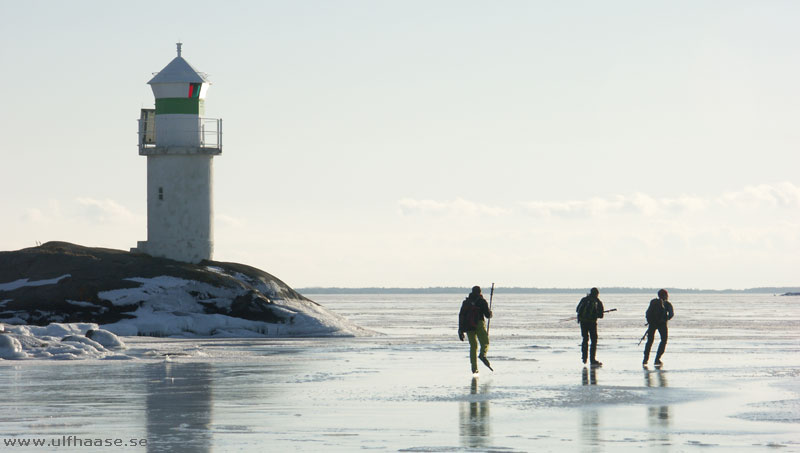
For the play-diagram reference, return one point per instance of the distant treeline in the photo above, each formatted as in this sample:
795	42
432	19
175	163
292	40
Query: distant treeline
518	290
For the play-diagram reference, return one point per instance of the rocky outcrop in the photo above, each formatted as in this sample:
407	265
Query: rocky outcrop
67	283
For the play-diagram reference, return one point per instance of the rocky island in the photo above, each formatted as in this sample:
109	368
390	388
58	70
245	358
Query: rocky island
136	294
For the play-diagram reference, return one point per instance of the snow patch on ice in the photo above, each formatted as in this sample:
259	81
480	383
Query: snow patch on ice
601	395
784	411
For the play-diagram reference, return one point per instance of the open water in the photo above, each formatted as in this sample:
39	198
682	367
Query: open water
729	383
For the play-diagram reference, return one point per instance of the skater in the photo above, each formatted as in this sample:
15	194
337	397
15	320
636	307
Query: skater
470	321
589	309
658	313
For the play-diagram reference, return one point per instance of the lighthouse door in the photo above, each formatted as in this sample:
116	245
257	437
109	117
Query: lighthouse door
147	127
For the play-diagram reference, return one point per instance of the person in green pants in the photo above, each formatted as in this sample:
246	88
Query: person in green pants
471	321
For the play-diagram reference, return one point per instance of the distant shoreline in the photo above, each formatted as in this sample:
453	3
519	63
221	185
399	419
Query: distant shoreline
520	290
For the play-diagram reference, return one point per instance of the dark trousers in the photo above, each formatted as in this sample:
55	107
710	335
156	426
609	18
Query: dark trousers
589	331
651	336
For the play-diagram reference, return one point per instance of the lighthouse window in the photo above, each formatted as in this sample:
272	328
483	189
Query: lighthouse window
194	90
160	193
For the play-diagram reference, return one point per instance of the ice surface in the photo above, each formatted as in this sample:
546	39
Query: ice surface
729	383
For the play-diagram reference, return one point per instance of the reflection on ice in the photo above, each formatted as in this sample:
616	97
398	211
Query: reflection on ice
179	407
589	376
590	427
474	424
657	415
590	416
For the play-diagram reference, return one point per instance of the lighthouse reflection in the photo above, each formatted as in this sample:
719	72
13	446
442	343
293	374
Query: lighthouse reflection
474	427
179	401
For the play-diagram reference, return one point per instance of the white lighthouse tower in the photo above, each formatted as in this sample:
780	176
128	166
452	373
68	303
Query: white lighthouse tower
180	146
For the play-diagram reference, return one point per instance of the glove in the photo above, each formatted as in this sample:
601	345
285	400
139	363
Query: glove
461	336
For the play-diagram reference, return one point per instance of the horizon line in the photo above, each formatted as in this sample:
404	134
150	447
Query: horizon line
522	289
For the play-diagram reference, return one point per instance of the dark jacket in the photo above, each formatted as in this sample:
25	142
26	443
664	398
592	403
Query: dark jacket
593	311
659	312
473	310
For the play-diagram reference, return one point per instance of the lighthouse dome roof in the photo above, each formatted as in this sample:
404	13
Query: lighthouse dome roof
178	71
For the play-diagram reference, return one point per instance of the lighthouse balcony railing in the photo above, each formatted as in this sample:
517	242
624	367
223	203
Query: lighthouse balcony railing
208	134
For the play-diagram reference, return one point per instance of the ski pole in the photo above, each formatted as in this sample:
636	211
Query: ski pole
489	323
573	318
645	334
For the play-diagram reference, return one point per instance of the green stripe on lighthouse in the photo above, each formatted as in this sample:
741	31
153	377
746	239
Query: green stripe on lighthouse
191	106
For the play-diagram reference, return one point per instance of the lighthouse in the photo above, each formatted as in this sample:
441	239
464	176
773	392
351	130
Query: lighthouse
180	145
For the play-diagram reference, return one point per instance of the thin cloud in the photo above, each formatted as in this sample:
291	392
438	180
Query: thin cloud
784	195
636	204
231	221
49	214
457	207
79	209
34	215
781	195
103	211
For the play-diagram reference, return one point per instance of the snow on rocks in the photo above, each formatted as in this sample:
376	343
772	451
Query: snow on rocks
66	301
23	282
136	294
174	307
167	306
59	342
10	348
105	338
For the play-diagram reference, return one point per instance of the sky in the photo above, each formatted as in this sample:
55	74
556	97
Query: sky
427	143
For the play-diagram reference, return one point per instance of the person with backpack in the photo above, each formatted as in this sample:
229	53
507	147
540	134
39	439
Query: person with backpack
470	321
658	313
589	310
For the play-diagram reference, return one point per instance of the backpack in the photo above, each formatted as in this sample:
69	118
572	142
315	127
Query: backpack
472	314
586	310
656	313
